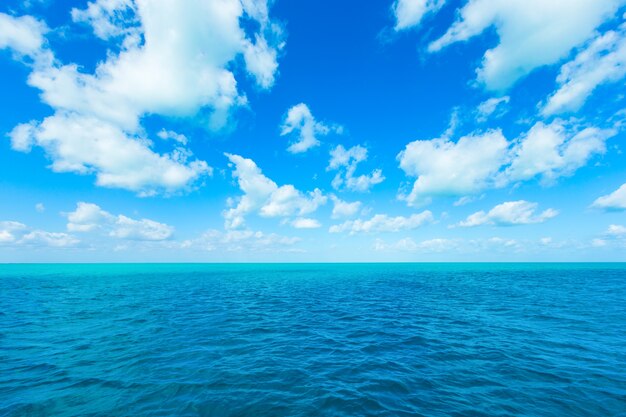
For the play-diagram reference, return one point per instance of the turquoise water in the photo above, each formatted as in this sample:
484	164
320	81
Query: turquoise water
313	340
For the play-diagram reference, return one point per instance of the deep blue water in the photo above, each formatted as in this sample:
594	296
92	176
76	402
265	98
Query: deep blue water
313	340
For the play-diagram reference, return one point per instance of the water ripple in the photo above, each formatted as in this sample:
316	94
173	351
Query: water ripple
313	340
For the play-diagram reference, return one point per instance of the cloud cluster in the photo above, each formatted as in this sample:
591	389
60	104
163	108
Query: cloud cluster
90	217
18	234
409	245
488	160
172	59
300	120
264	196
461	246
345	161
532	33
510	213
383	223
241	241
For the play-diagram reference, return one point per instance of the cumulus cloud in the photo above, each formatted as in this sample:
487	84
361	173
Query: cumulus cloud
24	35
444	167
9	231
383	223
87	145
90	217
487	160
264	196
602	61
554	150
409	13
300	121
172	60
510	213
616	201
18	234
345	161
532	33
343	208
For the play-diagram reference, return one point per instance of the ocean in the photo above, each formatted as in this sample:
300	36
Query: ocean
313	340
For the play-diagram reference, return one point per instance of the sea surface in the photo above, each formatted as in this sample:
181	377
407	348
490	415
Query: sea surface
313	340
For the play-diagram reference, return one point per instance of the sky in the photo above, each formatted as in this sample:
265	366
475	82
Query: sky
326	131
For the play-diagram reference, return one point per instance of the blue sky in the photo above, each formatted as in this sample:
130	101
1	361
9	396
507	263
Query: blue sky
242	130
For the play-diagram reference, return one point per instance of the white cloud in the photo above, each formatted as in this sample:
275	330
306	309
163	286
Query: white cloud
10	230
616	230
461	246
174	60
305	223
547	241
343	208
108	18
510	213
17	234
443	167
554	150
90	217
87	145
599	243
532	33
346	162
264	196
466	200
614	201
409	13
40	207
383	223
487	160
242	241
300	120
488	108
171	135
614	236
43	238
602	61
24	35
6	236
409	245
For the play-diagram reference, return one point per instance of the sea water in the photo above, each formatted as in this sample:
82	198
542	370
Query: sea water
313	340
